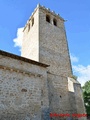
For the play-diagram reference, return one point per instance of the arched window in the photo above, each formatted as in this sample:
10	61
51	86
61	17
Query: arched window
28	27
32	21
48	18
55	22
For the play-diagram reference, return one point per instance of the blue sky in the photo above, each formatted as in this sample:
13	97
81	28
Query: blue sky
14	15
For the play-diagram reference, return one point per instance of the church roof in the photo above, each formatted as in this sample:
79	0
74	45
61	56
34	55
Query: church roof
4	53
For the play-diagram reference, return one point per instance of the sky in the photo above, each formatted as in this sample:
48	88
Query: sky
15	13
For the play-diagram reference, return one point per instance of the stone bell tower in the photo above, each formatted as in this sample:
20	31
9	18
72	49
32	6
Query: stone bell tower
45	41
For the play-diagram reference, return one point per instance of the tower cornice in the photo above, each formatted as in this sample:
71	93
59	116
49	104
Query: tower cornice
47	10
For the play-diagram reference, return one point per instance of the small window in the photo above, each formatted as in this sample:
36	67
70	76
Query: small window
60	96
55	22
32	21
48	18
28	27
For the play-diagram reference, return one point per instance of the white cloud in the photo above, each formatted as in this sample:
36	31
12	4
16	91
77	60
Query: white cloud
83	73
73	58
18	39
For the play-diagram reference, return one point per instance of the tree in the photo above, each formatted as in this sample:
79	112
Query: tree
86	96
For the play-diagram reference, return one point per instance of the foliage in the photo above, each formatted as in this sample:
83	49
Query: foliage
86	96
74	77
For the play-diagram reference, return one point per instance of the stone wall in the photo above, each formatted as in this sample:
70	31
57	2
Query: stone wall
76	98
53	44
23	90
79	100
58	94
30	44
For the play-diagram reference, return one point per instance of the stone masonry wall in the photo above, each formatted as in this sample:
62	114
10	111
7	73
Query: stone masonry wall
23	90
76	98
58	94
53	44
79	100
30	44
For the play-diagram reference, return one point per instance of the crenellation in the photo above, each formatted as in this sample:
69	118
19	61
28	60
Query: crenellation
48	9
45	9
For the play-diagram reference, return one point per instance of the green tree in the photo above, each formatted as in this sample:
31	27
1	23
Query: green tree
86	96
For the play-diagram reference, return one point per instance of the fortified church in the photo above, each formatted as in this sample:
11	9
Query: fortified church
40	81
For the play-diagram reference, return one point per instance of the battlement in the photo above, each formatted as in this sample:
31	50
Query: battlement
47	10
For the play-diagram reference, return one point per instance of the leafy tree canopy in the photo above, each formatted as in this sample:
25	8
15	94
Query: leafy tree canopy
86	96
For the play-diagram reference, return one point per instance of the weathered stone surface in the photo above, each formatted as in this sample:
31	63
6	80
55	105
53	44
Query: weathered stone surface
20	93
29	90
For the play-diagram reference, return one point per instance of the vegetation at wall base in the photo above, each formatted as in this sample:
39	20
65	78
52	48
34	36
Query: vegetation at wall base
86	96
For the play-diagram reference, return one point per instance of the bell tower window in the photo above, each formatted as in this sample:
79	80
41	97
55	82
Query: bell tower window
32	21
48	18
28	27
55	22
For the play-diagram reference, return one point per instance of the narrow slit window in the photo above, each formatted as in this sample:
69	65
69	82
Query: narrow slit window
28	27
48	18
55	22
32	21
